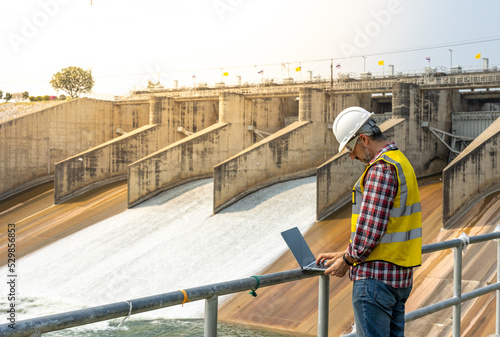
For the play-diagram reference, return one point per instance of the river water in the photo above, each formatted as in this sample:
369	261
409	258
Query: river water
168	243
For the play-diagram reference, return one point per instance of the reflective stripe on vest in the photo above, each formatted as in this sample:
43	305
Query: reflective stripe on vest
399	236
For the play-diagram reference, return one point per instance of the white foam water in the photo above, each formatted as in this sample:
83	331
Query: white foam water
168	243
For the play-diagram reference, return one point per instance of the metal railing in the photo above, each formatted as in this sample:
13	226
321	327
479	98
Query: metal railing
210	293
372	84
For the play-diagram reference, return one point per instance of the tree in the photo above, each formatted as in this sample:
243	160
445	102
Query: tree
26	95
1	94
73	80
8	96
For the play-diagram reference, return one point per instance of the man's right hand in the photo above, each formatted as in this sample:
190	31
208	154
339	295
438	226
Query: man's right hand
329	258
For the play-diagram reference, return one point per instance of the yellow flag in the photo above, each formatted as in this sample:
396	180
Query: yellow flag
225	74
478	56
298	69
381	63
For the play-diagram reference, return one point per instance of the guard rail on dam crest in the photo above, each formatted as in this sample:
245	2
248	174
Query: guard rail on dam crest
210	293
375	84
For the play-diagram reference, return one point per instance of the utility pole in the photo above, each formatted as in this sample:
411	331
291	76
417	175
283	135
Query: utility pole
364	63
451	58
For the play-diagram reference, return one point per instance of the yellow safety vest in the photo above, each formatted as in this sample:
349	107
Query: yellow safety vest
402	242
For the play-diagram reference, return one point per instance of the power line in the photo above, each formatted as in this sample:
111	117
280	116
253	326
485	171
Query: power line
444	45
453	44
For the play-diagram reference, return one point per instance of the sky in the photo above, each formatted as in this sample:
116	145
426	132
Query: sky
127	43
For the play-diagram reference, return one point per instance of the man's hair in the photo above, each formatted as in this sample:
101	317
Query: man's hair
372	130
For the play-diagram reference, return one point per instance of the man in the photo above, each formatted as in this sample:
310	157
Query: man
386	227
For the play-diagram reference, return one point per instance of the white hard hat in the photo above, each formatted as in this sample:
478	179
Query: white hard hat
348	122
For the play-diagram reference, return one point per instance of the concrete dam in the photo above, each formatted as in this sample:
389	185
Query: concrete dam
249	138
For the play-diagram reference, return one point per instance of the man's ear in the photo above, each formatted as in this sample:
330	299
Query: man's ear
364	139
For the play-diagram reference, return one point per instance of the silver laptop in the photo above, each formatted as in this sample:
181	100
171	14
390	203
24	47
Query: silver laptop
301	250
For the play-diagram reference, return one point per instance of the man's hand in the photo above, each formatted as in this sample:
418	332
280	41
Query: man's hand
339	268
337	265
329	258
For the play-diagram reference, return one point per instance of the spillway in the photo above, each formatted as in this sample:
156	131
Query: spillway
168	243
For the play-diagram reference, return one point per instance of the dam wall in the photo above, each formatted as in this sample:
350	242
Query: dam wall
286	130
276	158
472	175
290	153
189	159
102	164
33	143
190	114
242	121
426	153
109	161
130	115
253	118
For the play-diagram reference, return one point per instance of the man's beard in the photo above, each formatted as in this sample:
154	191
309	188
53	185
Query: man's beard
366	158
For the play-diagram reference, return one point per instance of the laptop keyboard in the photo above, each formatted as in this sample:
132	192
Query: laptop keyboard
314	265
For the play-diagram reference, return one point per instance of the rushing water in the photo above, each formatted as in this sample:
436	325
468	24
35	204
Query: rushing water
168	243
166	328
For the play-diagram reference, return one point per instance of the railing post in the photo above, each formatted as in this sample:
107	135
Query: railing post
457	290
211	305
323	304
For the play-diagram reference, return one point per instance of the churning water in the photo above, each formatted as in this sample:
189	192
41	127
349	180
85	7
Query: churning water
168	243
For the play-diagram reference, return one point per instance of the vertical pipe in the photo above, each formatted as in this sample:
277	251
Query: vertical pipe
497	329
211	305
323	301
457	290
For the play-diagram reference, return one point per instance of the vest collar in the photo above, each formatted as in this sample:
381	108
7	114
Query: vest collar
388	147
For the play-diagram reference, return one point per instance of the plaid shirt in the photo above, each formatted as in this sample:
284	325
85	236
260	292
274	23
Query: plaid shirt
380	189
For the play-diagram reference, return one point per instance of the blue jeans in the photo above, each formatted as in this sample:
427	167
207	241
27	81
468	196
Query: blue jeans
379	309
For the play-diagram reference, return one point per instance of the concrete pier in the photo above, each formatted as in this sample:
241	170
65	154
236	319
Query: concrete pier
290	153
103	164
472	175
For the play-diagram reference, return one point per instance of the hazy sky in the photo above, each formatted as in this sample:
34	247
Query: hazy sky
126	43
